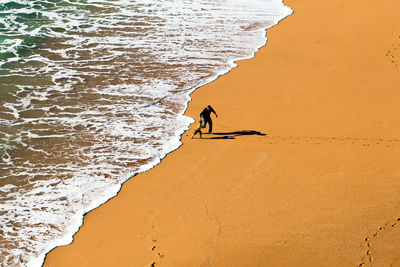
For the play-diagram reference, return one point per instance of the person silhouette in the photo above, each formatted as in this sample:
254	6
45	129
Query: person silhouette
206	115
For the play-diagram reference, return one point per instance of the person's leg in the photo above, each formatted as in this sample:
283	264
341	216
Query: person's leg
194	133
209	126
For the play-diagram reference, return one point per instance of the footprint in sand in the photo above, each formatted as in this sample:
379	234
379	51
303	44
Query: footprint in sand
382	242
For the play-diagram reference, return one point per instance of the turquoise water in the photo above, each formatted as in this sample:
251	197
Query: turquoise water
26	27
23	27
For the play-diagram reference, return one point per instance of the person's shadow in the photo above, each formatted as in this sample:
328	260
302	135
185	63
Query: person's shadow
233	135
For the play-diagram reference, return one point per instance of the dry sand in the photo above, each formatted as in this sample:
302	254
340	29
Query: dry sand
321	188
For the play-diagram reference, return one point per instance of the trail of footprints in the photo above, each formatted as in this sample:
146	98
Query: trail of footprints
394	54
367	258
154	249
369	241
320	140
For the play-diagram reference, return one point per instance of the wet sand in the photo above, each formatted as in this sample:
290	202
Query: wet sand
303	168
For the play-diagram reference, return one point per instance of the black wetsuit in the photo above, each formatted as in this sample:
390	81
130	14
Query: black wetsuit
206	114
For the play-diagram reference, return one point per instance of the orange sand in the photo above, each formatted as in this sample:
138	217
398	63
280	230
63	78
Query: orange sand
322	188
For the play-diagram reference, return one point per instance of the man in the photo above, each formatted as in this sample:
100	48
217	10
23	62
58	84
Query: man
206	115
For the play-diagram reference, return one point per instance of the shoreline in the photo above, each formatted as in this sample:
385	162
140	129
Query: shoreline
189	210
173	145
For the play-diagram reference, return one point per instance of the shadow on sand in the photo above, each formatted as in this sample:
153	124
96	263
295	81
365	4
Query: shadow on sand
233	135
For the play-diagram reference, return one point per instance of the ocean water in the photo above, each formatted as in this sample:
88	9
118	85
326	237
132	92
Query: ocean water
93	92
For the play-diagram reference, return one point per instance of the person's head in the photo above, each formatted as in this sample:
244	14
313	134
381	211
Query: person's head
209	107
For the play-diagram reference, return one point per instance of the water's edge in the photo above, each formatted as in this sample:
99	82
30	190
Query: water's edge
174	144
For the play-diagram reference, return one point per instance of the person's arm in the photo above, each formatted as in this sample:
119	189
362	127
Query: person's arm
212	110
201	114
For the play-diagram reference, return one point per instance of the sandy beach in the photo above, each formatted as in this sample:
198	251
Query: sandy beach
303	168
